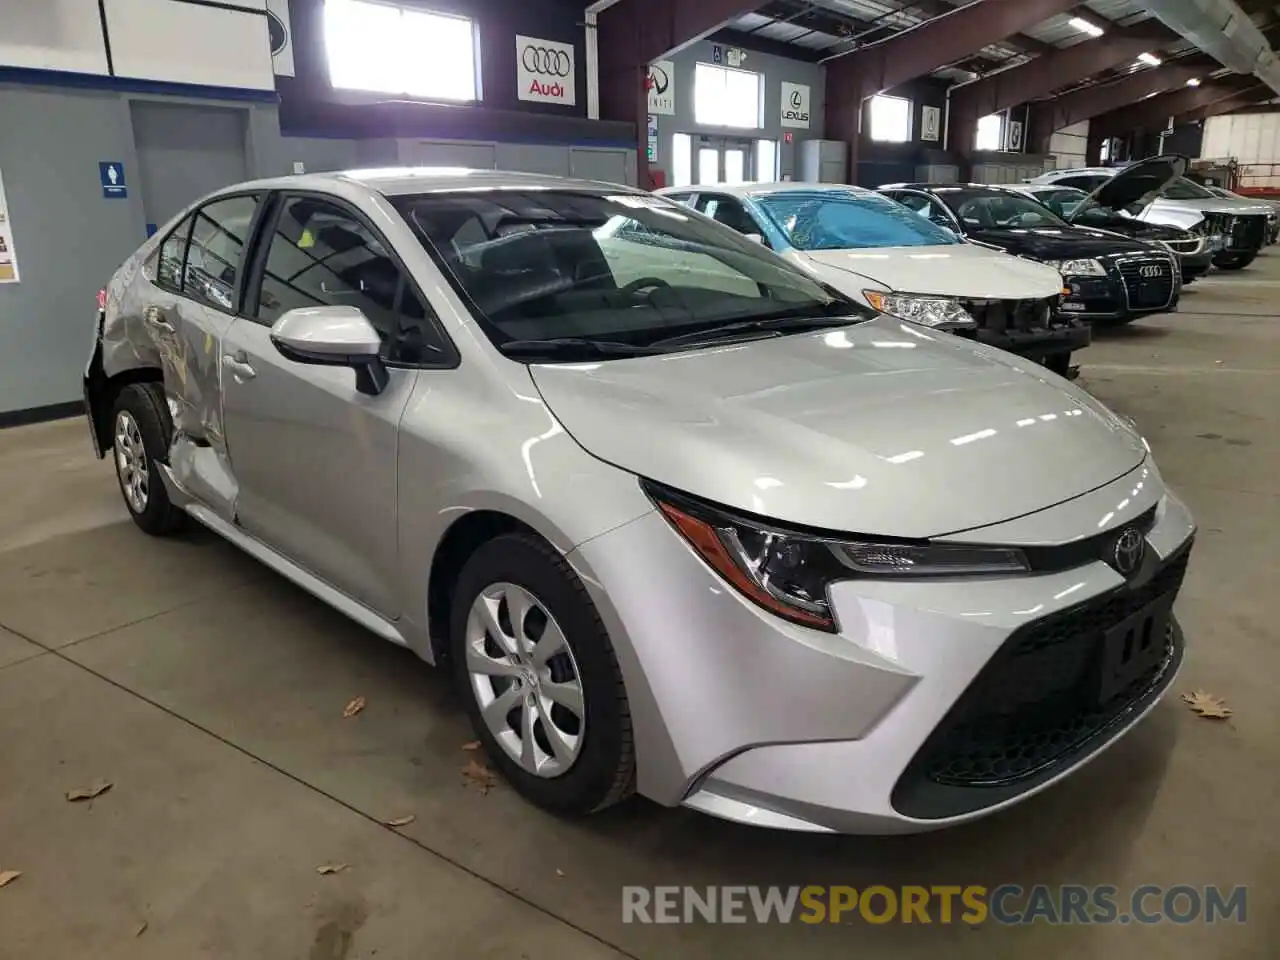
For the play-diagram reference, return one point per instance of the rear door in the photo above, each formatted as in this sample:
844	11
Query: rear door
187	312
314	458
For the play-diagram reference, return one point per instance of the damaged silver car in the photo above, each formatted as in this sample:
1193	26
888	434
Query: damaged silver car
682	519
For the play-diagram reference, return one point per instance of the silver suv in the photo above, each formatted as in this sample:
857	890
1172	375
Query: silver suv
1235	229
681	518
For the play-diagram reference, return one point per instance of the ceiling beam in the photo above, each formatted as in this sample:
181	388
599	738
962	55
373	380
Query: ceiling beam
1044	74
1154	113
1248	98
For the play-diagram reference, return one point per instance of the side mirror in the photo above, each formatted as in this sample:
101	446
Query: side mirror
333	336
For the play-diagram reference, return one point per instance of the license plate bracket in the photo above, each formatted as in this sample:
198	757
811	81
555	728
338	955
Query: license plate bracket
1132	648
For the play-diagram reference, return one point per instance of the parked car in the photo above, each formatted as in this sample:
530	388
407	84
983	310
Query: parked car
767	554
1108	278
1108	208
879	254
1273	213
1236	230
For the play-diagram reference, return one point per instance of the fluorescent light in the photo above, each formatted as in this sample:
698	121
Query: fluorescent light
1150	59
1193	82
1084	26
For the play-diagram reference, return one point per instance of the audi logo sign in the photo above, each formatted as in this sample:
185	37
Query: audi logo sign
1151	271
545	71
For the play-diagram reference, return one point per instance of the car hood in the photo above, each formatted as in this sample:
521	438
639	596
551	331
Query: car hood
879	428
1059	243
1144	230
953	270
1215	205
1136	185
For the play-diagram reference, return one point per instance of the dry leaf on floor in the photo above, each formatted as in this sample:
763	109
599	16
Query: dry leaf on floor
354	707
559	872
1206	705
401	821
478	776
142	928
473	746
328	868
8	876
98	788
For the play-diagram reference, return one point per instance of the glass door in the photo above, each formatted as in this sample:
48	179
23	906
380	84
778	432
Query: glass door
724	160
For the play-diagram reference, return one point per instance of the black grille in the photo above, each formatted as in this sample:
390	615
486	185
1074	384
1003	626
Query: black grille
1012	314
1191	245
1214	223
1248	232
1148	292
1046	698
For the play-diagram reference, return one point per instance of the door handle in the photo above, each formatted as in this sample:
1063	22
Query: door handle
239	366
155	318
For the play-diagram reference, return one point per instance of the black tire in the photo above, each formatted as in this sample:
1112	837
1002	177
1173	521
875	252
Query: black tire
1234	261
603	772
145	404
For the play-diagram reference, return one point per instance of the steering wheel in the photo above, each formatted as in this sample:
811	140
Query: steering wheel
644	283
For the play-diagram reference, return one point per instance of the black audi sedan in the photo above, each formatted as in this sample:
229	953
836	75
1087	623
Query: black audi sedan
1107	278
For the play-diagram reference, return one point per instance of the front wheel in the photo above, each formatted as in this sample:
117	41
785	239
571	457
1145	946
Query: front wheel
1234	261
540	677
140	429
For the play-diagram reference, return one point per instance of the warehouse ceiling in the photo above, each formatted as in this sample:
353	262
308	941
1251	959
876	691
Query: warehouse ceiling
823	30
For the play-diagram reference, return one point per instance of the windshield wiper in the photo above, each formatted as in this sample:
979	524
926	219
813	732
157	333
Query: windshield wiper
784	321
563	348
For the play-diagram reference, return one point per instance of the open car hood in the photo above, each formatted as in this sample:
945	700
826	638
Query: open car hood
1136	185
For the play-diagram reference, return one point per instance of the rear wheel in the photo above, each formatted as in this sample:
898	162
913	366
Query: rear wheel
140	430
540	678
1234	261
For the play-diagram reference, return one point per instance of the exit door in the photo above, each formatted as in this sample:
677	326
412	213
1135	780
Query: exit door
723	160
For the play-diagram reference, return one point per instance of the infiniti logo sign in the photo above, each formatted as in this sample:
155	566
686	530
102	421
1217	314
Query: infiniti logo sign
550	63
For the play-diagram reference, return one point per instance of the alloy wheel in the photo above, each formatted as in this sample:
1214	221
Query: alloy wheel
131	461
525	680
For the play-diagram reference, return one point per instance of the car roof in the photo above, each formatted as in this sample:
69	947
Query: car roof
936	187
397	181
759	189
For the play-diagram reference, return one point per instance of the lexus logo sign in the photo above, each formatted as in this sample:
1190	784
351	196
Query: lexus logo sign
795	105
544	71
1151	270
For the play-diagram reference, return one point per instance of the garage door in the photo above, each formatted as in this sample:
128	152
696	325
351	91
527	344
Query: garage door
184	152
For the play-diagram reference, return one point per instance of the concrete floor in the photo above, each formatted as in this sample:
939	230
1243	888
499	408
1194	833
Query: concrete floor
210	692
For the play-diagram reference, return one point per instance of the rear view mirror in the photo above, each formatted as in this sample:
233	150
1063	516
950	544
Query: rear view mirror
334	336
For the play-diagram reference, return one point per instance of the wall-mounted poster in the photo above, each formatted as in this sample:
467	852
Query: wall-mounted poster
931	123
660	82
8	259
1015	135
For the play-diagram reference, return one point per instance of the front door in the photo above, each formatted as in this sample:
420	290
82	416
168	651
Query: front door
722	160
316	459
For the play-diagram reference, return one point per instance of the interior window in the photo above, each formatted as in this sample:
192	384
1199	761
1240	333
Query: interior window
173	253
213	258
320	255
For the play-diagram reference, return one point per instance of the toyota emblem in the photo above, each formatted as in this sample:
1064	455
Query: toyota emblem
1151	270
1126	555
548	63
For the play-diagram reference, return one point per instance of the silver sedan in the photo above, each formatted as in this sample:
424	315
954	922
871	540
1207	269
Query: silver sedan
682	519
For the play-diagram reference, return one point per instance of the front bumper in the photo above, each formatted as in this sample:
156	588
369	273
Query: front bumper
1195	266
1105	298
744	716
1040	342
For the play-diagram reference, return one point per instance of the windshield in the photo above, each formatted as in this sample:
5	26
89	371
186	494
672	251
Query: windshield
979	209
1184	189
1064	201
629	269
836	220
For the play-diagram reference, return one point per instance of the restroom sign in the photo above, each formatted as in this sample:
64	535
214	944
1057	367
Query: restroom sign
795	105
111	173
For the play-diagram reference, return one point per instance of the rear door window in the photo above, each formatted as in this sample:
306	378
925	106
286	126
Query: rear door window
173	257
216	251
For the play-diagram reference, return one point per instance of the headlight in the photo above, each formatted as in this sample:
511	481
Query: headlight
941	312
1078	268
787	572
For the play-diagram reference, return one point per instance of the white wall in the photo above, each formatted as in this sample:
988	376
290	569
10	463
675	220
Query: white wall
163	40
1070	145
52	35
1252	139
